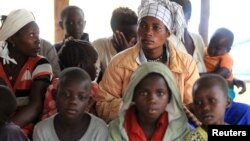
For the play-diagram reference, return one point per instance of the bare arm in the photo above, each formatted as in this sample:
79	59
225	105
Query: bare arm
30	112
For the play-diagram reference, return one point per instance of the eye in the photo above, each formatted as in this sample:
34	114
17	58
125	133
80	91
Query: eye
65	94
143	93
212	100
143	26
82	97
80	23
157	28
160	93
197	102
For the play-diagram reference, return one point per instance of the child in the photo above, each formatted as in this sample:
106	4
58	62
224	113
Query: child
123	23
8	130
74	53
217	58
72	23
72	123
210	100
152	108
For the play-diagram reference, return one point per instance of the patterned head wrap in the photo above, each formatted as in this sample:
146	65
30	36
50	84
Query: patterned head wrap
13	23
170	13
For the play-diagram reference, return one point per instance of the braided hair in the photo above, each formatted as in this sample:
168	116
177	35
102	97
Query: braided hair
78	53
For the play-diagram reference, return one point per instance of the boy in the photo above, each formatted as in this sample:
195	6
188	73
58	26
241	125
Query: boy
210	98
217	58
123	23
8	130
72	23
74	53
152	108
72	123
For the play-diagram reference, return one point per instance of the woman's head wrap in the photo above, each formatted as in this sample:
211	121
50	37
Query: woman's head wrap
13	23
170	13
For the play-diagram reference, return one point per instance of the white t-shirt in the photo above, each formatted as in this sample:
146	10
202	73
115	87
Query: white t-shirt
45	130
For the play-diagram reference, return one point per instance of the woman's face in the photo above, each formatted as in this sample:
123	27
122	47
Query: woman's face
26	40
152	33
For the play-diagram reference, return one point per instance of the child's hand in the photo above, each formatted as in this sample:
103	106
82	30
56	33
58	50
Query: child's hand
120	43
240	84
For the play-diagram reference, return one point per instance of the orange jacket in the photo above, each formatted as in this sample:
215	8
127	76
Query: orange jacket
121	67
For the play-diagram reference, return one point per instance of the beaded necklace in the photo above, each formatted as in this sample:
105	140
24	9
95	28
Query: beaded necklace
155	60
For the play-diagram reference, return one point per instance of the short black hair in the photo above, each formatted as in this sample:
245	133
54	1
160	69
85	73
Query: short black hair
77	52
76	74
210	80
123	16
225	33
67	10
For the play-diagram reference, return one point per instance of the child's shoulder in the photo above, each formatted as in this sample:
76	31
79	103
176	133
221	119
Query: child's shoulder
97	129
45	124
96	121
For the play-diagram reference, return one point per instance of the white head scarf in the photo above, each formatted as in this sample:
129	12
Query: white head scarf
170	13
13	23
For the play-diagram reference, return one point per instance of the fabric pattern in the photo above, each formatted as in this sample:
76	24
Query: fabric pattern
170	13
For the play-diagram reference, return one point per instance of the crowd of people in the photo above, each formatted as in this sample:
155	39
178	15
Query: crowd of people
151	80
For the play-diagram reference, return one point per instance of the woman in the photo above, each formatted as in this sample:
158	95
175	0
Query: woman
22	70
155	26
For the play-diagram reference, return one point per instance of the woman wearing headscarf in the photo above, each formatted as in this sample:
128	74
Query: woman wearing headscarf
157	19
161	103
21	69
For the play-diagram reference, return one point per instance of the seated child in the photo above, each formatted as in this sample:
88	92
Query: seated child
72	23
8	130
217	58
72	123
210	100
74	53
152	108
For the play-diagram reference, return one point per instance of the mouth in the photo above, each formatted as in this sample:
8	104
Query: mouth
207	118
148	42
152	111
36	50
71	111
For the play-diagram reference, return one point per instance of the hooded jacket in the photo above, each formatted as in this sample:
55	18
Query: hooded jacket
177	121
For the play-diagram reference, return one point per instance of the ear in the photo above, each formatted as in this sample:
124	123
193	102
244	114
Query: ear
61	24
90	104
228	102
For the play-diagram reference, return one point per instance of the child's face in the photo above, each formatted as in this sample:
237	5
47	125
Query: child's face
151	97
74	24
210	105
218	46
72	100
129	31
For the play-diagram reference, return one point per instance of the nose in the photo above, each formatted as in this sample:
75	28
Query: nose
73	99
205	107
149	30
152	98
